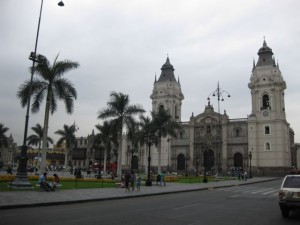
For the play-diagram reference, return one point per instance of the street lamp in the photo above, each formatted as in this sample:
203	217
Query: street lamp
21	180
131	150
219	93
204	164
250	158
149	140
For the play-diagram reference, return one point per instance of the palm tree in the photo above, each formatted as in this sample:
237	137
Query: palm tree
123	114
163	125
105	137
51	85
3	137
68	136
36	139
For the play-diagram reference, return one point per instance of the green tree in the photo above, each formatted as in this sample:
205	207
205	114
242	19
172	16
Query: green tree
163	125
122	114
36	139
105	137
3	137
49	84
68	136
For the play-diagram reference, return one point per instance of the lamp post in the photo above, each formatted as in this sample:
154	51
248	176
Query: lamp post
205	165
250	158
149	140
219	93
168	140
21	180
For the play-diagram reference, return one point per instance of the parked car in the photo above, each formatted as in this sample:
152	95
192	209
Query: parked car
289	194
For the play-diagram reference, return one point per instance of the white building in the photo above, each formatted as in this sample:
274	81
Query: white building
216	142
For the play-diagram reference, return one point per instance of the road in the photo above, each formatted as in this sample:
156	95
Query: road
243	205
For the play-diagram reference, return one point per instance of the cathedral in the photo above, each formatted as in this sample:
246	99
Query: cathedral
212	142
262	142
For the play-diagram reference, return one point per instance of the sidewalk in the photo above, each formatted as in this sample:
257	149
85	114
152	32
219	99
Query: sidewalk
18	199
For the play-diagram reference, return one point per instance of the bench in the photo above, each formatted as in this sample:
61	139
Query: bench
120	185
218	178
57	185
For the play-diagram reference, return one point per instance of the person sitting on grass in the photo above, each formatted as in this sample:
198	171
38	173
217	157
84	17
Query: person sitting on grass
55	181
44	184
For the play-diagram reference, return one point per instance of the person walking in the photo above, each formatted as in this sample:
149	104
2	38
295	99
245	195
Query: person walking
127	178
162	179
245	176
138	183
158	179
132	181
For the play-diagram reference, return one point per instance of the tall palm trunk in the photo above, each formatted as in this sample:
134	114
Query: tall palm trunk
45	134
159	155
66	157
119	171
104	163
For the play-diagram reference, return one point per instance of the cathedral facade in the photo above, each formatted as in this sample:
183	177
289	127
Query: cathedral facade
261	143
212	141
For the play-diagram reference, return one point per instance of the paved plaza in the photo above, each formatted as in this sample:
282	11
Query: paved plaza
17	199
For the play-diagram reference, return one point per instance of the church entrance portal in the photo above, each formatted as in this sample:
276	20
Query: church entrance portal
181	162
208	159
238	160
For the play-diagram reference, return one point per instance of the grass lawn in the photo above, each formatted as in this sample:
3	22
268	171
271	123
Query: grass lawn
86	183
65	184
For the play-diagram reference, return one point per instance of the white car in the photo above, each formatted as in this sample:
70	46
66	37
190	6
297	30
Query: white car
289	194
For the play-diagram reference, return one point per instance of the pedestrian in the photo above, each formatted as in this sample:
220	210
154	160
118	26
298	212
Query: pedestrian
162	179
127	178
245	176
88	172
138	183
157	179
132	181
9	170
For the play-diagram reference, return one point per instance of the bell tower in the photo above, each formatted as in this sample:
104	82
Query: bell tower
167	92
268	130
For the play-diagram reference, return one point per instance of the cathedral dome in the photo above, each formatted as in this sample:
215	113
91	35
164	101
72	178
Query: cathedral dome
265	56
167	72
167	65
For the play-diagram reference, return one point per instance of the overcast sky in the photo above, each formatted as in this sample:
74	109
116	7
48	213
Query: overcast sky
122	44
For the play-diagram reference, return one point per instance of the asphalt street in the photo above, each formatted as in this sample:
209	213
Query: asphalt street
254	203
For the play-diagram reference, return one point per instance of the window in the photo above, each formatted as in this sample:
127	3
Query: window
181	135
208	130
292	182
176	112
267	146
267	129
265	102
237	132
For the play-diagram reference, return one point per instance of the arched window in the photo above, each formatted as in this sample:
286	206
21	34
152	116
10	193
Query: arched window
176	112
237	132
208	130
181	134
266	102
161	107
268	146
